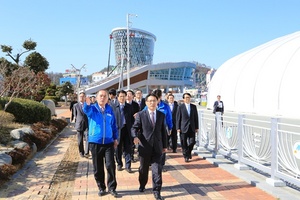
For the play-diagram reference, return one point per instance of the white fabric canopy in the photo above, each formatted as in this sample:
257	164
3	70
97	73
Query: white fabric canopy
263	80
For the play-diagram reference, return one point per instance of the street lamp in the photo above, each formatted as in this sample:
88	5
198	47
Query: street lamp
121	75
78	71
128	53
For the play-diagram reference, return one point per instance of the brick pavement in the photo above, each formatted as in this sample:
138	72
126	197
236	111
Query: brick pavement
198	179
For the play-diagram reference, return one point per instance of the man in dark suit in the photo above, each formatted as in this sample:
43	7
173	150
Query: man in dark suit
218	110
149	132
129	99
172	139
112	96
187	125
166	96
73	102
123	116
81	125
135	108
139	99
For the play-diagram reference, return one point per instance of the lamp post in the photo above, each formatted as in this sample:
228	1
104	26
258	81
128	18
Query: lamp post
121	71
78	71
128	53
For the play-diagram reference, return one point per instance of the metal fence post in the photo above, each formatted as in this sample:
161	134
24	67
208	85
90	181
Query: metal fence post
200	131
274	155
240	165
218	126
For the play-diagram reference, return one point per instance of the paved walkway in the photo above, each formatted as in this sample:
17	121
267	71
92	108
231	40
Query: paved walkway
198	179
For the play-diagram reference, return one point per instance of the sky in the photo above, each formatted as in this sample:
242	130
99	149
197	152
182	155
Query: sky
76	32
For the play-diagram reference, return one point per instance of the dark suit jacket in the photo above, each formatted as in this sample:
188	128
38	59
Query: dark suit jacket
113	102
174	112
184	121
217	109
142	104
72	105
135	107
128	117
152	139
81	120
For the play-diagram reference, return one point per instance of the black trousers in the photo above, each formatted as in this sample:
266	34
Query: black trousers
156	166
125	145
104	154
82	145
173	139
187	143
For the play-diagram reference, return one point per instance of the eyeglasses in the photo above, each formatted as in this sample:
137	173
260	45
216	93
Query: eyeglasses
102	96
187	97
152	101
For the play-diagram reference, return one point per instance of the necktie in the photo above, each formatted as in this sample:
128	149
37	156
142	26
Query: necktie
122	115
152	119
102	110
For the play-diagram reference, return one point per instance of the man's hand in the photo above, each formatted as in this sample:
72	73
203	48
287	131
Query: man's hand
136	141
164	150
88	100
115	144
170	132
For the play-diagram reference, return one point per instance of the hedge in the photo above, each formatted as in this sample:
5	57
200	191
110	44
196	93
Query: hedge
27	111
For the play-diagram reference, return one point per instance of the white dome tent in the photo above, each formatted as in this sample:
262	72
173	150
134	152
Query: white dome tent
263	80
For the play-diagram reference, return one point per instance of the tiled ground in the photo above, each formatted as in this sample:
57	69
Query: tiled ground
197	179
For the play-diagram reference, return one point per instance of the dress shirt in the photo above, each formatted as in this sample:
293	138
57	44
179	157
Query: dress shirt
188	108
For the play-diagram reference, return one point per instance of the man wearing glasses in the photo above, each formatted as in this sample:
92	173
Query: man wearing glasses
149	132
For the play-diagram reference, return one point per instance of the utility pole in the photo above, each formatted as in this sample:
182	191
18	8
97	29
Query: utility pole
78	73
128	53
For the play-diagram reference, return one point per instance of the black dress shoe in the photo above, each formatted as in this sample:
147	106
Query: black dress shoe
114	193
141	189
128	170
101	192
174	151
119	168
157	196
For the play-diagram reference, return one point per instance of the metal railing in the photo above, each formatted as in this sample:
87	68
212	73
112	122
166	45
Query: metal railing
268	144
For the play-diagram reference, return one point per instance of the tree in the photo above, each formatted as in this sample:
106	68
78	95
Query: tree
51	90
38	91
27	81
36	62
90	78
21	81
7	67
64	90
55	77
28	45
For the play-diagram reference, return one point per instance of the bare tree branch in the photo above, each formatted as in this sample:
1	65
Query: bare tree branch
19	82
